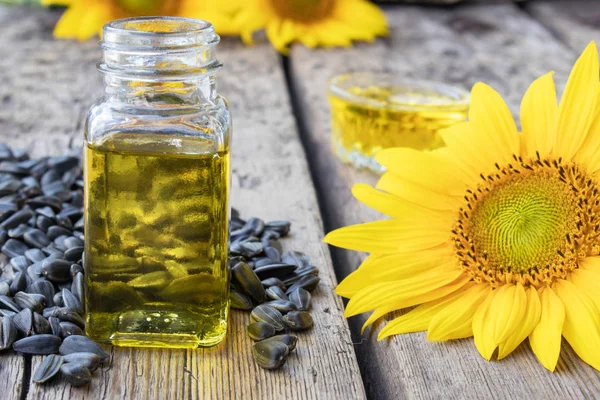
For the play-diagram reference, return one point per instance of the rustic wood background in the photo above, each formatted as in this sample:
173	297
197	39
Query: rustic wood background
283	168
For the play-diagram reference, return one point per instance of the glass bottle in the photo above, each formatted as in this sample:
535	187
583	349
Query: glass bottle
156	188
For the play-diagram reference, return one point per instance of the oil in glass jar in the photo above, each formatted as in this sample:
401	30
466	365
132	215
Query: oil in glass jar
157	179
371	112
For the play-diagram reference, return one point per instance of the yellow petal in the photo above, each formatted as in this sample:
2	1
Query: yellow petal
427	286
539	115
388	236
524	329
578	104
491	119
417	194
483	329
455	321
378	268
395	207
470	148
419	318
92	21
508	310
546	336
68	24
424	169
582	323
590	263
588	154
589	283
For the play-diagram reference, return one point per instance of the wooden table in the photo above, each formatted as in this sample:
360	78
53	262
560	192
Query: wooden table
283	168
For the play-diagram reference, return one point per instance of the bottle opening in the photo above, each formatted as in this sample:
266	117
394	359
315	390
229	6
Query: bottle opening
155	47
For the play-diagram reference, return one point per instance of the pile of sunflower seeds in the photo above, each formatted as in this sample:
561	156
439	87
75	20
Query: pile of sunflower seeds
42	287
275	287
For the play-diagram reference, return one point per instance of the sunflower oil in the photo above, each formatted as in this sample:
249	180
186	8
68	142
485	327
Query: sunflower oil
367	119
156	241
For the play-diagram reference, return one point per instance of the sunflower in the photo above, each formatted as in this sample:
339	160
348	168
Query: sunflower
313	22
497	235
85	18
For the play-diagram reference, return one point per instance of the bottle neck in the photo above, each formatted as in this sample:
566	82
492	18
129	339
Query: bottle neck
160	60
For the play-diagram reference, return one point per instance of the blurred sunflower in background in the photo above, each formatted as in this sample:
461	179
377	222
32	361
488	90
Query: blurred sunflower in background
497	235
85	18
312	22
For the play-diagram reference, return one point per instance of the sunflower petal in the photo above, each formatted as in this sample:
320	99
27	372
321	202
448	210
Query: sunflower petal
422	168
508	309
546	336
455	321
427	286
418	319
388	236
589	282
582	323
395	207
525	327
417	194
590	263
483	329
490	117
379	268
578	104
539	115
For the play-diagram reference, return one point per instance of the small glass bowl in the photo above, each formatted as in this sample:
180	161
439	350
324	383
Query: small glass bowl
374	111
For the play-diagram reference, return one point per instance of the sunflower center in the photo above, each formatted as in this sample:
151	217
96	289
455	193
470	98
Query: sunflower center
303	10
530	223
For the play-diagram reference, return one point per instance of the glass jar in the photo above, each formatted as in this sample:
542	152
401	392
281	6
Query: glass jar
157	180
375	111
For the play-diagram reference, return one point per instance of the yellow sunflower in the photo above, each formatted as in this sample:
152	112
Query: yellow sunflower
85	18
497	235
313	22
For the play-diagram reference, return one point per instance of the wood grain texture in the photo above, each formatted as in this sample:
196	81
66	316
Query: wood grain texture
48	86
499	45
576	22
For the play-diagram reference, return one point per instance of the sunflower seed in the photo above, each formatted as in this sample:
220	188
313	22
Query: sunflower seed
269	315
72	242
276	293
38	344
44	288
308	282
41	324
19	231
35	255
45	201
62	164
44	223
57	270
19	283
272	253
24	322
18	218
4	289
248	282
296	258
19	263
55	326
48	368
71	301
273	282
32	301
75	269
281	227
69	316
283	306
73	254
260	330
271	354
78	344
7	303
301	299
14	248
78	287
36	238
298	320
239	301
58	299
280	271
289	340
8	333
89	360
76	374
68	329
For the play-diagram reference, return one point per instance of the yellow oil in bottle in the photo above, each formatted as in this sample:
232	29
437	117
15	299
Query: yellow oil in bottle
373	118
156	241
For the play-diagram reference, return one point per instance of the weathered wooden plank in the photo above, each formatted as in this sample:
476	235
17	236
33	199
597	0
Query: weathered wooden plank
576	22
499	45
48	86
